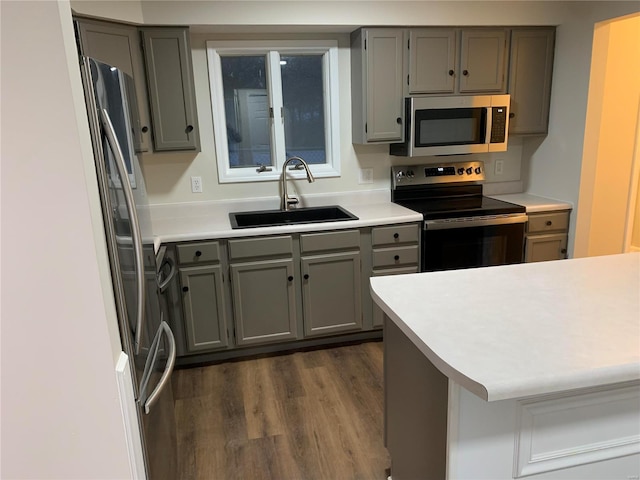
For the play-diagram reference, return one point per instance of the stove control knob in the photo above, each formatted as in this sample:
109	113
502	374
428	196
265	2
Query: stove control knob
410	174
460	171
469	171
400	175
478	170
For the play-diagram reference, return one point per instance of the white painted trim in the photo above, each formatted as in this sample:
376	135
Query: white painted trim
634	191
129	410
587	444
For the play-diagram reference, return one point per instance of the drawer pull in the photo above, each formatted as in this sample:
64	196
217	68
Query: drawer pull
185	289
396	257
198	253
564	250
290	278
396	235
549	223
306	276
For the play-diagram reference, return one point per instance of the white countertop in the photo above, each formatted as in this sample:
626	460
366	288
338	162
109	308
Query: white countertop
534	203
216	224
521	330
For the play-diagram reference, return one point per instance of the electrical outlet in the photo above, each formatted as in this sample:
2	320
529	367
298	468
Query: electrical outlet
196	184
366	176
499	168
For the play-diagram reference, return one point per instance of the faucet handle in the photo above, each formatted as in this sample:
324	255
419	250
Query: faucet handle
292	201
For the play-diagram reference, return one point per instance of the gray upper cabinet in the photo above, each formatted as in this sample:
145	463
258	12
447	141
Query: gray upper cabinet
331	282
171	88
377	85
530	72
432	60
482	60
452	60
119	45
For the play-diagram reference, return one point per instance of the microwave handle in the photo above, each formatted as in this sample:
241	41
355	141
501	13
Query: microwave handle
489	118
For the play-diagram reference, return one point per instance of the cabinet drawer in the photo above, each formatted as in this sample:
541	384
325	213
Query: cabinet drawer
260	247
198	252
395	234
343	240
390	257
546	222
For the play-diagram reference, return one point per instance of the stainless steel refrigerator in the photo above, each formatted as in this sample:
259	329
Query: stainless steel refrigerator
137	280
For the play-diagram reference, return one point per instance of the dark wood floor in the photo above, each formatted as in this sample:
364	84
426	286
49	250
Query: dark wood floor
303	416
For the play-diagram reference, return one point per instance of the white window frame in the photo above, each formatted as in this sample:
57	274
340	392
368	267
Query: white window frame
272	50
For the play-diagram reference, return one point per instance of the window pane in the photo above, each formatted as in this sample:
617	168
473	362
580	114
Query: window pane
246	105
303	98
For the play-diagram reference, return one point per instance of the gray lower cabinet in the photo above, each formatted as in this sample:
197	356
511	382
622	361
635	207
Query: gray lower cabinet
205	318
546	236
171	88
119	45
205	311
396	251
530	72
331	282
263	289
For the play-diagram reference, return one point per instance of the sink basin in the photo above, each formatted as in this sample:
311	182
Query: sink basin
271	218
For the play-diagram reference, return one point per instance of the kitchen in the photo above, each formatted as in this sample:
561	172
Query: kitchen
52	217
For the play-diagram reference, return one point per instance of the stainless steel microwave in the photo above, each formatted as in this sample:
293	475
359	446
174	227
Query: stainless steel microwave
454	125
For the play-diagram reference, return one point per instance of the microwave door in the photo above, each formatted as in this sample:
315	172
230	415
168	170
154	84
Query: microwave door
452	130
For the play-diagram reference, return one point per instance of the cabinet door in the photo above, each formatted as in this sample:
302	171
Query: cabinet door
384	99
264	304
205	319
482	58
530	71
540	248
432	60
119	46
171	88
331	291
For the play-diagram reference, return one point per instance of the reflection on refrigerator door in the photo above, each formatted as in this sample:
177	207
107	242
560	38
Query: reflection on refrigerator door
146	339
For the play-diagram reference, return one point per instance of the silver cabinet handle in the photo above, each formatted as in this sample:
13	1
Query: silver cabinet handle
162	285
135	226
168	369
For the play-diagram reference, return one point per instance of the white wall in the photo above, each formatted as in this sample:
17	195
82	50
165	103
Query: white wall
61	413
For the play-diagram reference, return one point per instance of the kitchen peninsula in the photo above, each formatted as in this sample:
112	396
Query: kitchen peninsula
513	371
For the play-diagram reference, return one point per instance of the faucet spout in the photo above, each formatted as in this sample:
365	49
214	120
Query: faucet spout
290	202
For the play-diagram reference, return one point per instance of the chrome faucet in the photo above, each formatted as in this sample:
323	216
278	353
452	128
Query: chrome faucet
290	202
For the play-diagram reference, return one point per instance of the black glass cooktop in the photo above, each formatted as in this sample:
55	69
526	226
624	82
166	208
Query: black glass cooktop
452	202
454	207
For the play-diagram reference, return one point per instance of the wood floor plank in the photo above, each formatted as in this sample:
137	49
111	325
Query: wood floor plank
297	416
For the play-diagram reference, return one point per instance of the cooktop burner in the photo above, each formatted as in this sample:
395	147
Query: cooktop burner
446	191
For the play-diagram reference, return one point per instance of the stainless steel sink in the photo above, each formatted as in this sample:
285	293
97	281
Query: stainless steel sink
271	218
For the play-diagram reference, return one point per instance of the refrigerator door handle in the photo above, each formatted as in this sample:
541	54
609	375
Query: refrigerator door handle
162	284
168	369
135	227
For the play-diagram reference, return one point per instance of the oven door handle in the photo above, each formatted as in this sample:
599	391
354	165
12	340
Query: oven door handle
467	222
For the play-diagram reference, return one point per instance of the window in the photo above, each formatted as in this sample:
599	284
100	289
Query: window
271	102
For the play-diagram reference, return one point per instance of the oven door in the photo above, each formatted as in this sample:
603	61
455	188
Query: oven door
473	242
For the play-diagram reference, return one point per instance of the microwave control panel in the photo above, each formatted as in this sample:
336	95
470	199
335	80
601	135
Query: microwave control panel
498	124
